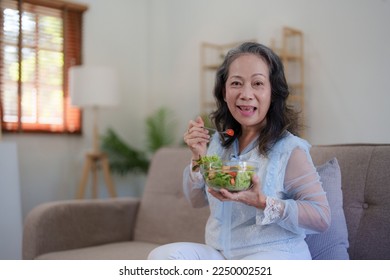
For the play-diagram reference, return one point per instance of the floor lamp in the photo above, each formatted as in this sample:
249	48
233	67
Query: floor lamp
94	87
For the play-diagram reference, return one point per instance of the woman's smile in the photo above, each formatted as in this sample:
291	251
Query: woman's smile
247	111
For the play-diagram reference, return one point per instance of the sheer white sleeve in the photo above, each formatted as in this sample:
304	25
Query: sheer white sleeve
194	187
305	205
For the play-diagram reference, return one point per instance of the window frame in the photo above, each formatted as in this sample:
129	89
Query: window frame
72	15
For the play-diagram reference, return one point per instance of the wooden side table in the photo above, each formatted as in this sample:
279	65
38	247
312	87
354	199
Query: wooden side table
93	162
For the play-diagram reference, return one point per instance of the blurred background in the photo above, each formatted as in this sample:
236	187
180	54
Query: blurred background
155	45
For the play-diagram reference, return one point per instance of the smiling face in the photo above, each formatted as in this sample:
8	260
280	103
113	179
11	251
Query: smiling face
248	91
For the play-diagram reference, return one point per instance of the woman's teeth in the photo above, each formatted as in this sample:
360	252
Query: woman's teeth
247	108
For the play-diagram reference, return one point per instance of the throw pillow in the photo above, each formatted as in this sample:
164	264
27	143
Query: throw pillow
333	243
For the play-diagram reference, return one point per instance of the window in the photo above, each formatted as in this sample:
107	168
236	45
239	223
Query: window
39	41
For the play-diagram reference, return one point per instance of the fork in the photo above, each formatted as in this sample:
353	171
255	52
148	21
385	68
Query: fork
228	132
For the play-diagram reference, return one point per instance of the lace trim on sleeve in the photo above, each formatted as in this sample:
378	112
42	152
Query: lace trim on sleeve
273	211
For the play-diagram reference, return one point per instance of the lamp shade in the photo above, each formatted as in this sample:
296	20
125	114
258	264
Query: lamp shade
93	86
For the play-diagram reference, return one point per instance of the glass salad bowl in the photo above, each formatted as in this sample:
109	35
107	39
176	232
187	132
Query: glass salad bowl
231	175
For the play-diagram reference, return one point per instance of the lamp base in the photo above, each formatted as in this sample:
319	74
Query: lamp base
92	163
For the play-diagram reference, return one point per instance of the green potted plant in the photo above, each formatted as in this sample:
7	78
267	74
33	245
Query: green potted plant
126	159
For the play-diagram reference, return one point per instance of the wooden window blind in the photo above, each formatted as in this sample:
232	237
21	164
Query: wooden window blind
39	41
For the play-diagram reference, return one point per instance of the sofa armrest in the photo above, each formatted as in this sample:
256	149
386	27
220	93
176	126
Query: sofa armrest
72	224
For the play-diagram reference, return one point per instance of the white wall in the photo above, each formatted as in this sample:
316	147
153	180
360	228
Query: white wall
347	56
10	204
155	46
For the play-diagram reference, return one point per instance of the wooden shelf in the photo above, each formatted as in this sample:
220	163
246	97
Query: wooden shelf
211	67
295	86
286	55
292	55
294	98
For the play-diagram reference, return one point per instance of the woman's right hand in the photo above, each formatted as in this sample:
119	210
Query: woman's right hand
196	138
252	197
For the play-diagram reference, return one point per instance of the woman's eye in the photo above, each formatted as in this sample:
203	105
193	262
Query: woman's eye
258	83
236	83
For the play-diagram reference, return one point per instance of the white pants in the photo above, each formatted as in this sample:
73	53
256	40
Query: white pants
197	251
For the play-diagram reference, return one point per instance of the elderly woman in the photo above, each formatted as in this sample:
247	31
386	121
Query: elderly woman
271	219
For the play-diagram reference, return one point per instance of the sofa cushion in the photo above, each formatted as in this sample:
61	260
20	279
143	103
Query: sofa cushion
333	243
165	216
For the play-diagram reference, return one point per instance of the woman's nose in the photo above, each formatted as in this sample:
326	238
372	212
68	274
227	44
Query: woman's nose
246	92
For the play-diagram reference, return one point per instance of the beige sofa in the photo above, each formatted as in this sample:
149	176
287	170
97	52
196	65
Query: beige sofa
129	228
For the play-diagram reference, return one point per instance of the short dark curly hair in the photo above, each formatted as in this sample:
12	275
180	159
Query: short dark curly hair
280	117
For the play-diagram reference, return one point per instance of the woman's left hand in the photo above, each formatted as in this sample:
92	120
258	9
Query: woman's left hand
253	197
